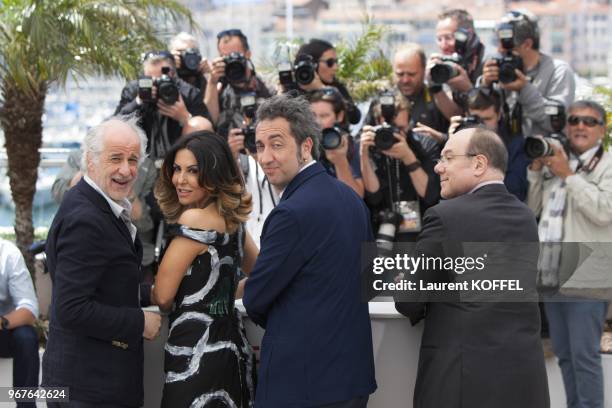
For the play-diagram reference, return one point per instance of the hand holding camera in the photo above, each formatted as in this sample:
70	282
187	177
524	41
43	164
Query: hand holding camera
217	70
336	146
235	139
177	110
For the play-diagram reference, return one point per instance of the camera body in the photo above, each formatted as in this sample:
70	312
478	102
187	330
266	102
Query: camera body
300	73
190	62
444	71
536	147
384	138
248	107
235	67
167	88
469	121
507	61
388	222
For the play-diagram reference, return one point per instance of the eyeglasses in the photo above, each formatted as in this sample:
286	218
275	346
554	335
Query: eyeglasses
589	121
153	54
232	32
330	62
446	159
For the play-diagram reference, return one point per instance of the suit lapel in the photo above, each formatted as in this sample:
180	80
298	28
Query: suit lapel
301	178
101	203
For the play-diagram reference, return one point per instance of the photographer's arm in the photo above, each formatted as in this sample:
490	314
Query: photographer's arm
593	200
211	96
370	180
446	105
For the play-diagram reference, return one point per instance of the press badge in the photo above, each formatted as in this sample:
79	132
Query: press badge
411	216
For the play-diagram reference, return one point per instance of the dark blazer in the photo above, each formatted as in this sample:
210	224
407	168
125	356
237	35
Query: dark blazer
96	324
479	354
305	290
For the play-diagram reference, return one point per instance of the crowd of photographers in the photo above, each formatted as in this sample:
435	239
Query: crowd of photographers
525	96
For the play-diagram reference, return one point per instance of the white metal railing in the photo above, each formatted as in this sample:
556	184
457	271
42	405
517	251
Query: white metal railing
50	156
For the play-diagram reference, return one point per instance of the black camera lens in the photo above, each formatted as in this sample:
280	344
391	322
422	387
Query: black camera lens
235	68
249	138
536	147
508	63
442	72
331	138
384	138
190	60
305	72
167	88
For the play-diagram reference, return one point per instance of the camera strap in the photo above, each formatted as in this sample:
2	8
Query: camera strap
592	163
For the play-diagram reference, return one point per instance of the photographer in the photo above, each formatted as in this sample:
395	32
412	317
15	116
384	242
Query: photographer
163	115
190	66
573	197
232	75
526	76
484	107
323	55
460	61
397	174
340	154
425	114
241	141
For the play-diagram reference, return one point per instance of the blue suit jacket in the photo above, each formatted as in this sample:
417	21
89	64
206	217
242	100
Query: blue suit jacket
96	324
305	290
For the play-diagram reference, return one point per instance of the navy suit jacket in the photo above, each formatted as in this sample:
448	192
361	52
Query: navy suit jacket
305	290
96	324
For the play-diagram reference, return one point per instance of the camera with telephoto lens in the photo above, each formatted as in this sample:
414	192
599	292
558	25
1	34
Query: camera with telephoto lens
248	107
167	88
507	61
444	71
235	68
388	222
331	138
536	147
304	69
468	122
190	62
384	138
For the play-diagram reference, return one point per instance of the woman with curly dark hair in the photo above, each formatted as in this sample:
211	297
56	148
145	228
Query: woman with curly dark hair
202	195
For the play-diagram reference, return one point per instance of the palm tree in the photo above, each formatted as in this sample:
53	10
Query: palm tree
42	42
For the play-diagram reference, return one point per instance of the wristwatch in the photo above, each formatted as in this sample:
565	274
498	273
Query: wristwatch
413	166
5	323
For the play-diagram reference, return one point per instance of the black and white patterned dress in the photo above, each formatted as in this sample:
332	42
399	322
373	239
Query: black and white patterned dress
208	361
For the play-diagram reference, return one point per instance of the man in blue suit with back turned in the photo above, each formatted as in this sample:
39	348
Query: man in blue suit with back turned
305	288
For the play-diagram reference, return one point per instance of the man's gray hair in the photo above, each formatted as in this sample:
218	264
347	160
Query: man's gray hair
93	144
490	145
296	111
183	37
589	104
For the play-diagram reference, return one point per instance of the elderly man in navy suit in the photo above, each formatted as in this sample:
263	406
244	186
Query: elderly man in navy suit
305	287
96	323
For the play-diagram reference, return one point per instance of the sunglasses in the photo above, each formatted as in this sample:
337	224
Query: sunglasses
587	120
330	62
232	32
151	54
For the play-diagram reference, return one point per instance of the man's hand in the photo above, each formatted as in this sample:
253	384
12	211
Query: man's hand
490	72
429	132
178	111
204	68
235	139
516	85
455	121
558	163
152	325
338	155
461	82
366	141
177	58
217	71
401	150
